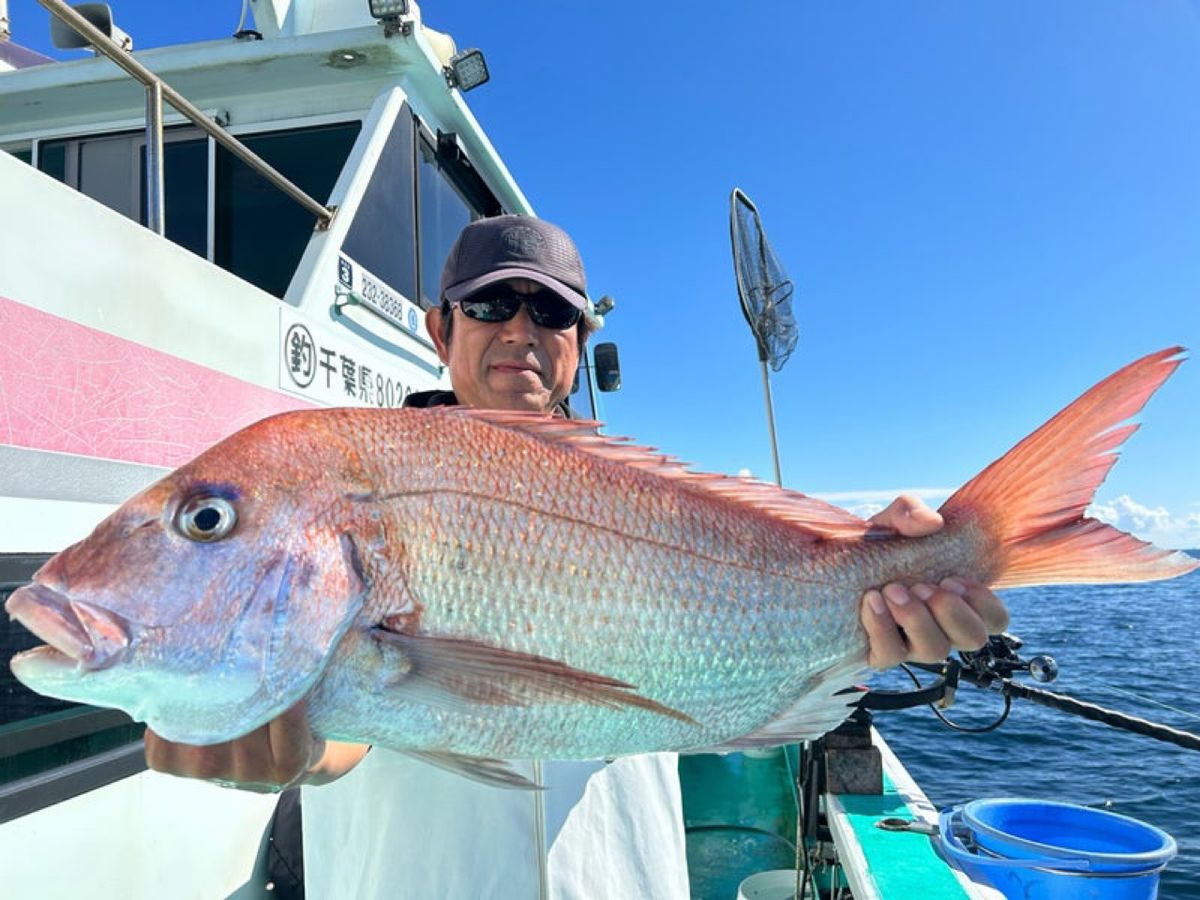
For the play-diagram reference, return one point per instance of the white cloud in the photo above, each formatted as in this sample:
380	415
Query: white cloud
1157	525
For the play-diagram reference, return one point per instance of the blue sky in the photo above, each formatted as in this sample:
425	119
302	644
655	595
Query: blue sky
985	207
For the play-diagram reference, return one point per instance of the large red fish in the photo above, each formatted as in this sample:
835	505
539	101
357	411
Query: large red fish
470	586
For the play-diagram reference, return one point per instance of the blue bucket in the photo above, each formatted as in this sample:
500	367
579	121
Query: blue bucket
1039	850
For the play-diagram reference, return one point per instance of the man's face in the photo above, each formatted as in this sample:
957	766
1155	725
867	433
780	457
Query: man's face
507	365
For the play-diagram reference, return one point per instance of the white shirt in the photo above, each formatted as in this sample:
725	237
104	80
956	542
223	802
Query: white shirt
396	828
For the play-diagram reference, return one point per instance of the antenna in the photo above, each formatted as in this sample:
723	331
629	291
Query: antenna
766	295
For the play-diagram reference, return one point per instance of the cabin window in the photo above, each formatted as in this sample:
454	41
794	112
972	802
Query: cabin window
98	166
24	155
185	193
382	238
52	159
258	232
444	212
112	170
261	232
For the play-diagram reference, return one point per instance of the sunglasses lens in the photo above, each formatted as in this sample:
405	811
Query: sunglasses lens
550	311
490	308
546	309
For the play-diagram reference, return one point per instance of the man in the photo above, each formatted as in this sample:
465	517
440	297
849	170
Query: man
513	321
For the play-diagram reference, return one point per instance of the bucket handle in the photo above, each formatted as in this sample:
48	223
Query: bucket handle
953	845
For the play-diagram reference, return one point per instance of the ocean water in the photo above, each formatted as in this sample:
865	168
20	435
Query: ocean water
1133	648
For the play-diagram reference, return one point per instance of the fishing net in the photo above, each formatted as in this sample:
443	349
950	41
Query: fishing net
763	286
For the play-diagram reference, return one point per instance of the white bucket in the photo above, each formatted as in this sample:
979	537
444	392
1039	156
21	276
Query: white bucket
775	884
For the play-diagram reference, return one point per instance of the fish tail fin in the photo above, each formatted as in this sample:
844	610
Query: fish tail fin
1031	501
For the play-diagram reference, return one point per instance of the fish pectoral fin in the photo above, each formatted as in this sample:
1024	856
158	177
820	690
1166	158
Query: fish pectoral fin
825	703
493	772
454	673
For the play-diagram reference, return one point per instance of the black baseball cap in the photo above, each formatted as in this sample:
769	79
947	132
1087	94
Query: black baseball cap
501	247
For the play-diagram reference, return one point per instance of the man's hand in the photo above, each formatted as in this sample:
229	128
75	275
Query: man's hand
956	614
277	755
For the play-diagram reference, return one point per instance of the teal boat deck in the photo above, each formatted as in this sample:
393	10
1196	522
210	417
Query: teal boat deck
740	814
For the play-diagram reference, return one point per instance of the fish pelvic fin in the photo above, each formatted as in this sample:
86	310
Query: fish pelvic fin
456	673
1031	501
485	770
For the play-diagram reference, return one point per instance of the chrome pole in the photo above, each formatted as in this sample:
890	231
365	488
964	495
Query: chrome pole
124	60
539	829
771	422
155	201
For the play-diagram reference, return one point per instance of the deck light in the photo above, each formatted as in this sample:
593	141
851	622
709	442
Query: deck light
467	70
64	37
388	9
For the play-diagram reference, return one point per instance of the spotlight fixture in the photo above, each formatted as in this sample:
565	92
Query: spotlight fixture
390	14
388	9
467	70
64	37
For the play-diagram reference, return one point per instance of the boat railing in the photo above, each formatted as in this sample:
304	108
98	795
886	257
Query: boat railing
158	91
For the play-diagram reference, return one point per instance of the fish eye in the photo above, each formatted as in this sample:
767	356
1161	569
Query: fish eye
206	518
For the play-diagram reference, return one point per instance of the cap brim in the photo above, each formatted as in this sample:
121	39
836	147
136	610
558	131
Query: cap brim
466	288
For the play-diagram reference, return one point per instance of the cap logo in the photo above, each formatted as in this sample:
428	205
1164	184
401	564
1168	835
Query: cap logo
522	240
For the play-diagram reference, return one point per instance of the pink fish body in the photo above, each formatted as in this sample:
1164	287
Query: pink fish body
467	585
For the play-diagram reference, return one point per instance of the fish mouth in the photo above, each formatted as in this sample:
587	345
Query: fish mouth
93	637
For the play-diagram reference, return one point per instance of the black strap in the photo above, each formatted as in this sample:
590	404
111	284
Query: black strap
904	699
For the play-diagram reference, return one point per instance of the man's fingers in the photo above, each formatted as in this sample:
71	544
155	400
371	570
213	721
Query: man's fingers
925	623
987	606
926	641
957	619
908	516
293	747
266	759
887	646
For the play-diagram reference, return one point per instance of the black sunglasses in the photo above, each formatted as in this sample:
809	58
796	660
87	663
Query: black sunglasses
499	303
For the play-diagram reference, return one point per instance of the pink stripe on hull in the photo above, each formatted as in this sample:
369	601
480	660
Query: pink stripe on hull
72	389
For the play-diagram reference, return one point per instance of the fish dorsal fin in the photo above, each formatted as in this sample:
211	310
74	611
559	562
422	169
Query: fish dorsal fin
814	518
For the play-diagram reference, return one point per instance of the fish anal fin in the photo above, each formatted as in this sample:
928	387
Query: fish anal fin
450	672
825	704
492	772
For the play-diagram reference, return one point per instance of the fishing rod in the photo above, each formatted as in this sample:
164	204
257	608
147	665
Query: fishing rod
994	667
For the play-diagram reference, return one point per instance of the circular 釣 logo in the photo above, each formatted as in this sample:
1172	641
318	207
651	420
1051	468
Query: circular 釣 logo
300	352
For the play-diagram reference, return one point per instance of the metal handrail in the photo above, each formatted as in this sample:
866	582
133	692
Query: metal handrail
156	92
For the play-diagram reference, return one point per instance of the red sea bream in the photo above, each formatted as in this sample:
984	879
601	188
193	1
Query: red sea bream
473	586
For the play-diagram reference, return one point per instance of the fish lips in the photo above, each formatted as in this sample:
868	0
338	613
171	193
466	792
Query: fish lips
93	637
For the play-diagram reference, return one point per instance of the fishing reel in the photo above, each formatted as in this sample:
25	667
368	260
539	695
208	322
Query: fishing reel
992	665
999	659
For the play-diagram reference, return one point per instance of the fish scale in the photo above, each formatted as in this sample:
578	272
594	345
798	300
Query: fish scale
722	642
